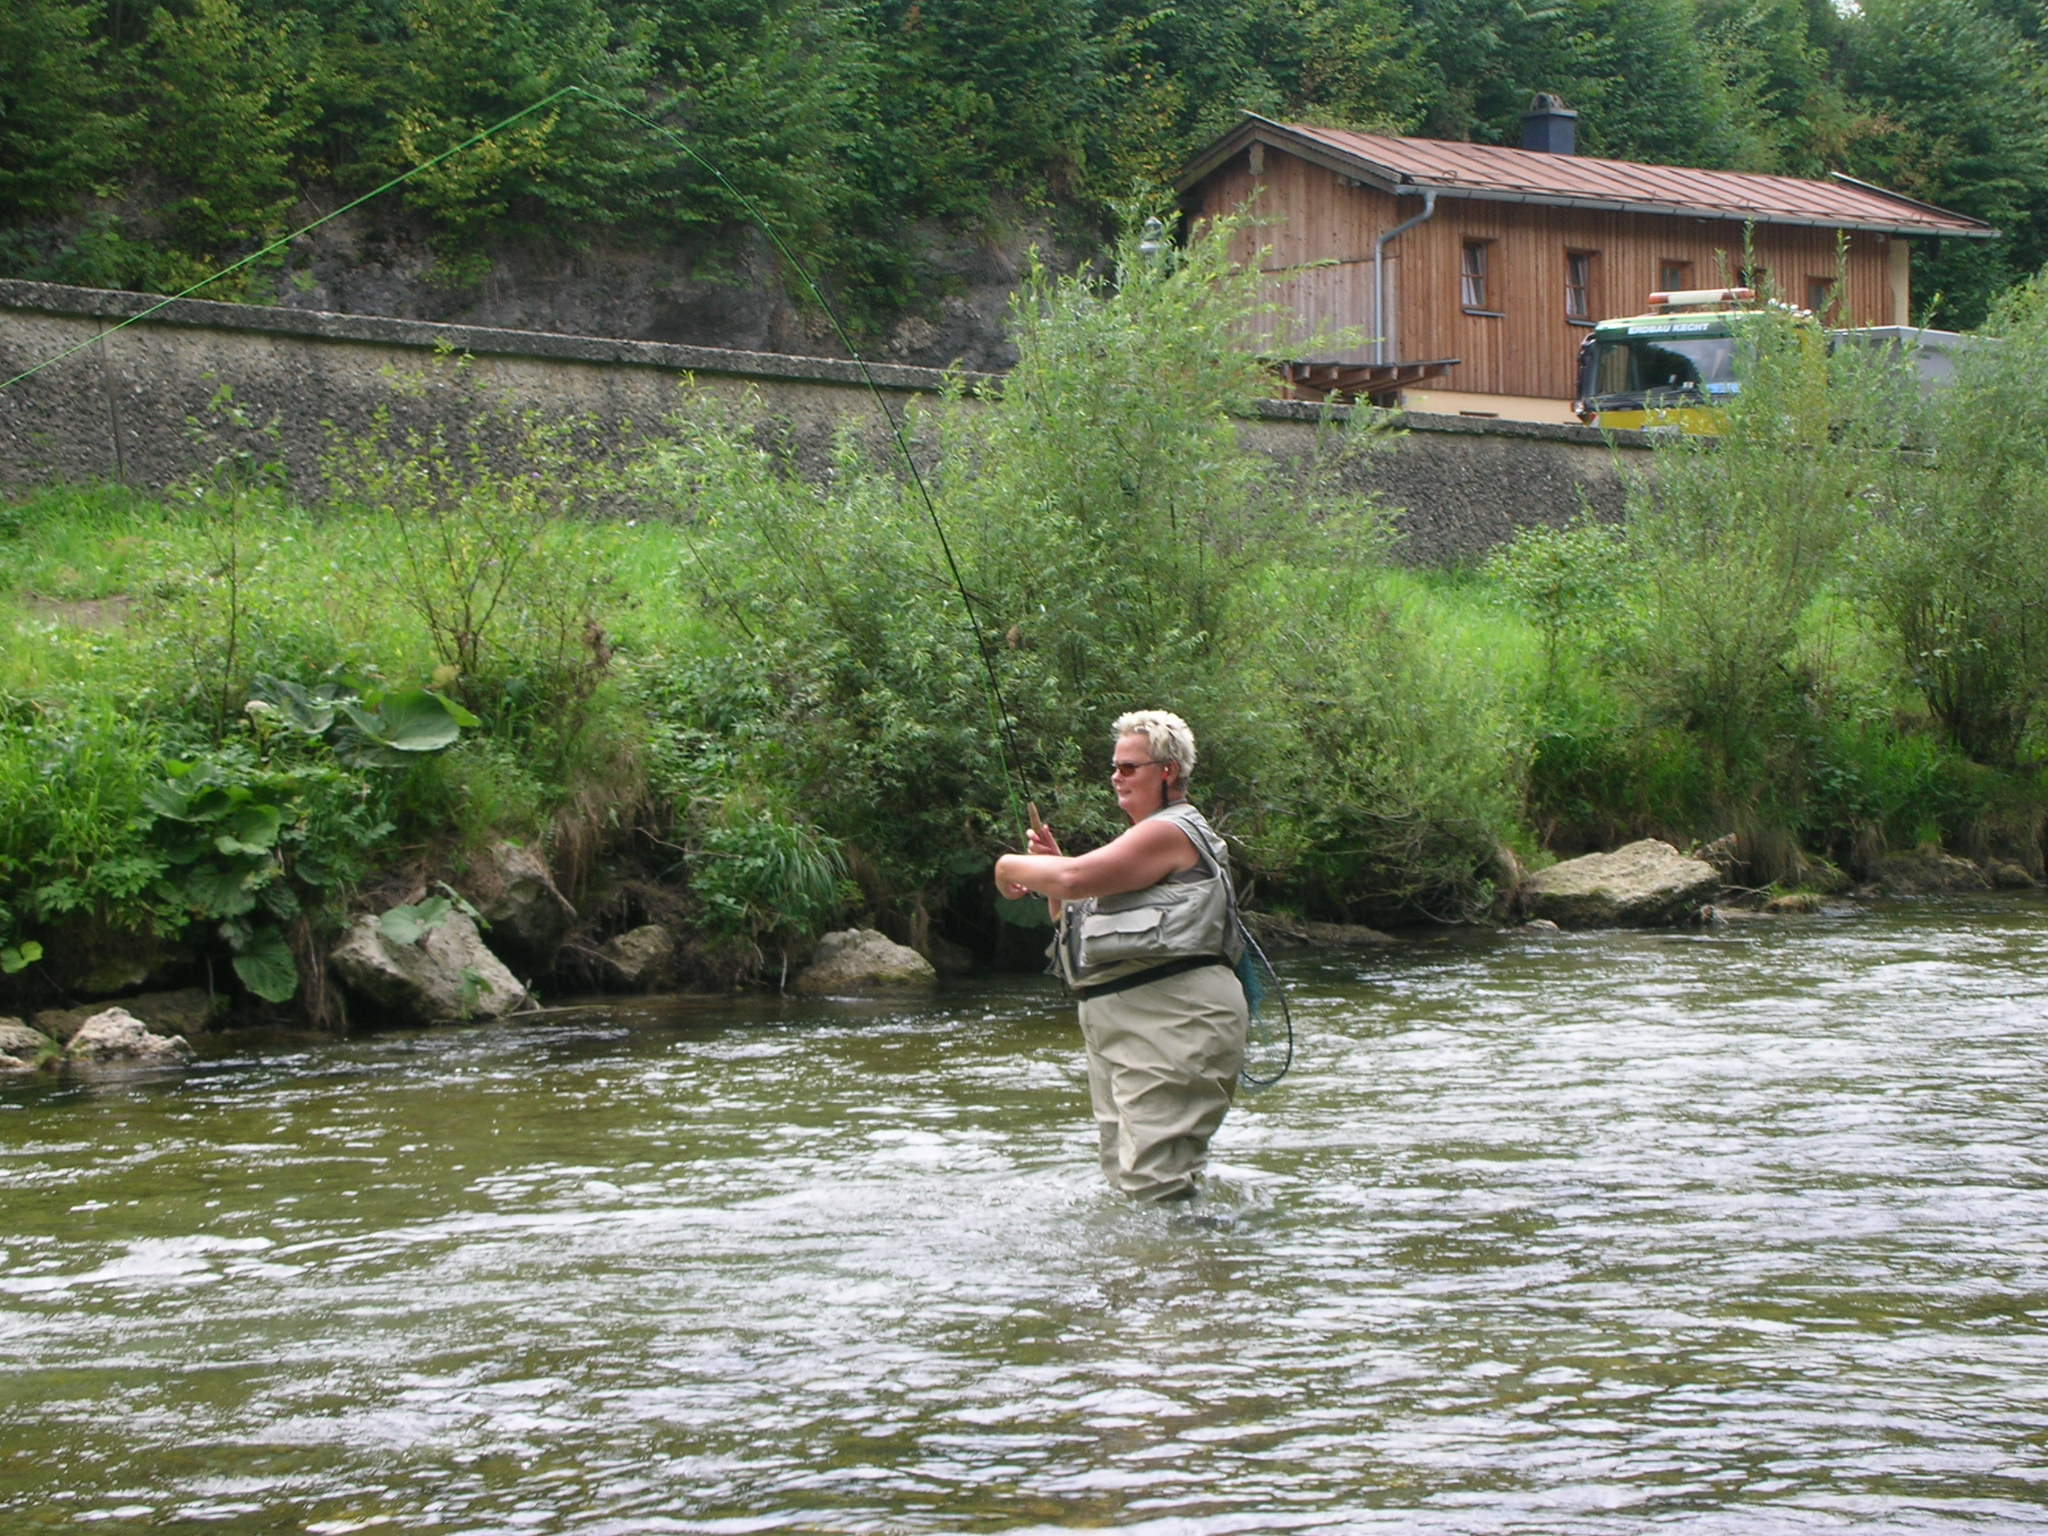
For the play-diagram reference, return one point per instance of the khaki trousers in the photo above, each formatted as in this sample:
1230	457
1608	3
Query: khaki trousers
1163	1060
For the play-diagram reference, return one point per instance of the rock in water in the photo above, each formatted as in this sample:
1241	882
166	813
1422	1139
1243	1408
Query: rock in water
862	960
116	1038
1641	885
447	975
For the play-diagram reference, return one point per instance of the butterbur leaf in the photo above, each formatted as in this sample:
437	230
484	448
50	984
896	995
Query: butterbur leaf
265	964
187	846
186	802
250	829
410	720
168	798
280	900
408	925
309	711
220	892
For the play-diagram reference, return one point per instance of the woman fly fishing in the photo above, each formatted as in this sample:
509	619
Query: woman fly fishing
1148	939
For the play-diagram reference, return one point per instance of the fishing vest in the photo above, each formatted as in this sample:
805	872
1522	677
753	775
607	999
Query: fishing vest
1190	915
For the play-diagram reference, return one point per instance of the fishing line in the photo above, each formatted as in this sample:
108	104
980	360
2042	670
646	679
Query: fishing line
1255	979
1014	776
280	243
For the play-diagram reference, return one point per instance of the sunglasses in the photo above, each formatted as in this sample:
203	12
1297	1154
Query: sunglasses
1125	770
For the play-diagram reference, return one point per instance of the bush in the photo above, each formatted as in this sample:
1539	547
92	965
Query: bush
1956	561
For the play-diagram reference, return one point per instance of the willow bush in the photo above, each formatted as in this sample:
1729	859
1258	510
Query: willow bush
1810	629
1115	546
1957	558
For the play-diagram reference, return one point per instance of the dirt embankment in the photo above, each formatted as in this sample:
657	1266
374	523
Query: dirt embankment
729	290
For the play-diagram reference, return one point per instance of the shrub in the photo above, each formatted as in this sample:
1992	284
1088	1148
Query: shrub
1956	561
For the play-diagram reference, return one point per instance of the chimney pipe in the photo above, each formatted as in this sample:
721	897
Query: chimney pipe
1550	126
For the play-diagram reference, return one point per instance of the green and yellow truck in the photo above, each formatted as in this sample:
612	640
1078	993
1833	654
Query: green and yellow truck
1675	365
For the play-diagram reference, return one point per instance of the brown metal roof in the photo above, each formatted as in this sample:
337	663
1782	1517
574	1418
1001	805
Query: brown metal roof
1488	171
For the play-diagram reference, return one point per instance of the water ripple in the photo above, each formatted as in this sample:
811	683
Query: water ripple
1601	1233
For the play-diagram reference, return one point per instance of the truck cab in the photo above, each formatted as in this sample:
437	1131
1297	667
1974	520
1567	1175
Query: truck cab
1669	366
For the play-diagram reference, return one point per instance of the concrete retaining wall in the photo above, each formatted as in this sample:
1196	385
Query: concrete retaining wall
120	405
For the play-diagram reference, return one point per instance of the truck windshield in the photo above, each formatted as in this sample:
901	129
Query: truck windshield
1658	369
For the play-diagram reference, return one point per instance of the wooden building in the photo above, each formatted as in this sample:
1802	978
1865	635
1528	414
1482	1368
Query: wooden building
1468	273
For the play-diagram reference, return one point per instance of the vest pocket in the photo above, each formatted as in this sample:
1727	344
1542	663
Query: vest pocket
1109	938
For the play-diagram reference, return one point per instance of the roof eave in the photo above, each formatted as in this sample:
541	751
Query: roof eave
1983	230
1695	211
1264	130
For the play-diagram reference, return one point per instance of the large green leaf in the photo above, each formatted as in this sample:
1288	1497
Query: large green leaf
250	829
408	720
310	711
220	892
265	964
179	801
410	924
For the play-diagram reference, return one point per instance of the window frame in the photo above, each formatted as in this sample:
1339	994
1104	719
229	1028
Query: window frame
1473	278
1585	266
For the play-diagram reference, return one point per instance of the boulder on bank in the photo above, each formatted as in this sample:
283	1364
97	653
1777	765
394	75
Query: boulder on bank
446	974
1640	885
641	959
23	1049
527	913
1926	871
2005	875
862	960
115	1038
185	1011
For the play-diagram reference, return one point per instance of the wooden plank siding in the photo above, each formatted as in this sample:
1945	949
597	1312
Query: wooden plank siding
1316	239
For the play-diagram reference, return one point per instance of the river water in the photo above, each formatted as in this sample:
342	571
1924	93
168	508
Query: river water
1730	1231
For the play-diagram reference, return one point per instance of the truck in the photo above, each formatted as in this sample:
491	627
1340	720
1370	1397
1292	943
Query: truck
1675	365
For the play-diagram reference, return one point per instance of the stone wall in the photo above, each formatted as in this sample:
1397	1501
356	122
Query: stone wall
119	403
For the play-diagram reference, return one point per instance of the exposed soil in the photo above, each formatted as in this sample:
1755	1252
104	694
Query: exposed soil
84	613
728	291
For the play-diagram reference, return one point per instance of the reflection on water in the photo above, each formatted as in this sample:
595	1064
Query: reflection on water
1731	1231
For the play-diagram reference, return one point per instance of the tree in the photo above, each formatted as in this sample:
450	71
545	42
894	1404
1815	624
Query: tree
463	66
976	96
59	131
222	108
1785	94
1958	92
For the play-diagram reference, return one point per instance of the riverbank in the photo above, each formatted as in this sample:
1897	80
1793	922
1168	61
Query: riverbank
709	707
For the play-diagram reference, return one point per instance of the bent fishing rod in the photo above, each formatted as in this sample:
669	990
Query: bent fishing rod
1253	976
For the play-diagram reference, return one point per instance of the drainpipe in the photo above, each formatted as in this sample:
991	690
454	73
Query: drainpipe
1379	278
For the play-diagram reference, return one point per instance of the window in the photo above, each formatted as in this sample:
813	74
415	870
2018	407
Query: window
1472	277
1820	295
1578	286
1674	276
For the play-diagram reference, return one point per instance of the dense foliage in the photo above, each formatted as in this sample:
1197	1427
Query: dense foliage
148	146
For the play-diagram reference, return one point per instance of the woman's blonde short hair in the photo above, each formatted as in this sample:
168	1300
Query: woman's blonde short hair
1167	735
